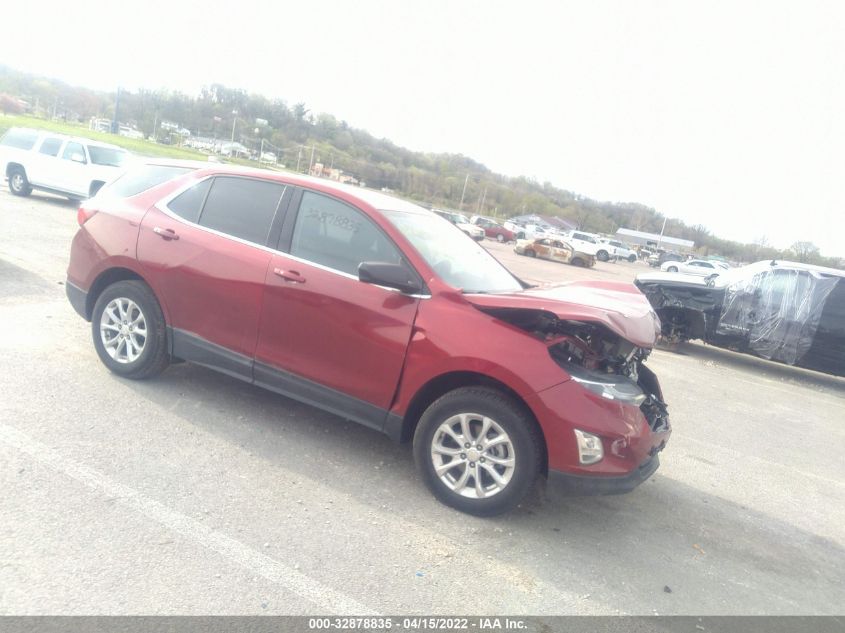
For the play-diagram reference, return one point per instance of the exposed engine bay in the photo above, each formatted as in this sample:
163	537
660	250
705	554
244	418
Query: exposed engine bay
596	357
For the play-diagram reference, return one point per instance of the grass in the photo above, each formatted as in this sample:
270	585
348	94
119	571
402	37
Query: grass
137	146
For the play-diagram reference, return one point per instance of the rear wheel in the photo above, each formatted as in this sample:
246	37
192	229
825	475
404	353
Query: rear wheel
530	253
632	258
500	238
577	261
18	182
672	269
602	256
478	450
129	331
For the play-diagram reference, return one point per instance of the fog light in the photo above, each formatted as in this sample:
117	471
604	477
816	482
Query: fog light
590	449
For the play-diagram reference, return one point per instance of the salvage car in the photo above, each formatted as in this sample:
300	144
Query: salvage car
463	223
554	250
377	310
783	311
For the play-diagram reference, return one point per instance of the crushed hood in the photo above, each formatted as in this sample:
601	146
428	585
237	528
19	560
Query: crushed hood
621	307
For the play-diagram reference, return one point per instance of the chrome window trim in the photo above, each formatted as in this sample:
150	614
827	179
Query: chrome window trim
163	206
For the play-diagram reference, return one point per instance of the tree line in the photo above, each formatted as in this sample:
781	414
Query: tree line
301	137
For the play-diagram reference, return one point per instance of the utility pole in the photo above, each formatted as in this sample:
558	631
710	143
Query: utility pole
463	193
234	122
483	200
311	163
660	239
115	125
299	158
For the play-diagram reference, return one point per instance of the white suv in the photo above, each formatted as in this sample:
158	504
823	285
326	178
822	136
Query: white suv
66	165
584	242
613	248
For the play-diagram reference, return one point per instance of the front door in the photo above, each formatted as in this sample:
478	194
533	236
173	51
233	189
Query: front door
326	337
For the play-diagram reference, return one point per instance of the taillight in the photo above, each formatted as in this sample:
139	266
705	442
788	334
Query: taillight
83	215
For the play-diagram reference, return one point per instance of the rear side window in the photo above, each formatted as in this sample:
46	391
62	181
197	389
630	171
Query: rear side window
333	234
107	156
21	139
242	207
50	146
187	204
134	182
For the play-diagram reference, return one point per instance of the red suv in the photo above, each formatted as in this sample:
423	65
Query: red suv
381	312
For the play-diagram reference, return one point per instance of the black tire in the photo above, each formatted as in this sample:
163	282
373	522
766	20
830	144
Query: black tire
510	417
530	253
672	269
500	238
18	182
602	256
632	258
153	358
577	261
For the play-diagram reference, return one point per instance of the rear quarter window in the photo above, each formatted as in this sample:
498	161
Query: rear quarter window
20	139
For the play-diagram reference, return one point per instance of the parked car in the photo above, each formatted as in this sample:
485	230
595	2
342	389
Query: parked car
700	267
784	311
584	242
66	165
493	229
372	308
463	223
554	250
615	249
660	257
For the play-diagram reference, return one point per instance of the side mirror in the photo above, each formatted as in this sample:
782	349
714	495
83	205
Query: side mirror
391	275
77	157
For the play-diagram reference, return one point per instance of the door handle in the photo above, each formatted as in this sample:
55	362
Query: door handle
289	275
167	234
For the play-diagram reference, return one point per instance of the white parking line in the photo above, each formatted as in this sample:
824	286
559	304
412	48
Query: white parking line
294	581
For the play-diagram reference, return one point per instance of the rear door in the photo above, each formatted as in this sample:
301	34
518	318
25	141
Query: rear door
205	251
71	170
326	337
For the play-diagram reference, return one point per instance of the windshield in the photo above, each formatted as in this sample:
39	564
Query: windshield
109	156
457	259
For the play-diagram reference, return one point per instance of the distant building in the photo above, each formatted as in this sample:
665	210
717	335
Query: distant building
653	240
545	221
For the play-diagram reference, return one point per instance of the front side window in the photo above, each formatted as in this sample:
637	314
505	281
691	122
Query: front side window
333	234
75	152
242	207
50	146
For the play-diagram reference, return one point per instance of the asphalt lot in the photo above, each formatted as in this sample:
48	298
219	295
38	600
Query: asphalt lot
194	493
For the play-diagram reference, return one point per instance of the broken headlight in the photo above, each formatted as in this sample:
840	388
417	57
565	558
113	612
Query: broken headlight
609	386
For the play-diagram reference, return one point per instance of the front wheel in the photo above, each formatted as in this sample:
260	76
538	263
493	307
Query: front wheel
530	253
129	330
18	182
632	258
478	451
672	269
602	256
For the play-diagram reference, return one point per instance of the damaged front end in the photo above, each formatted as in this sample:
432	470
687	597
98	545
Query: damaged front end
598	359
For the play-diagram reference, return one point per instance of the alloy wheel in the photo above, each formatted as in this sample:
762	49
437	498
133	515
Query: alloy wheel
123	330
472	455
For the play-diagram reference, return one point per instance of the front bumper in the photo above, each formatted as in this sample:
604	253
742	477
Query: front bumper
78	299
567	484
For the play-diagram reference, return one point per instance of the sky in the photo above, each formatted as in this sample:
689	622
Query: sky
726	114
